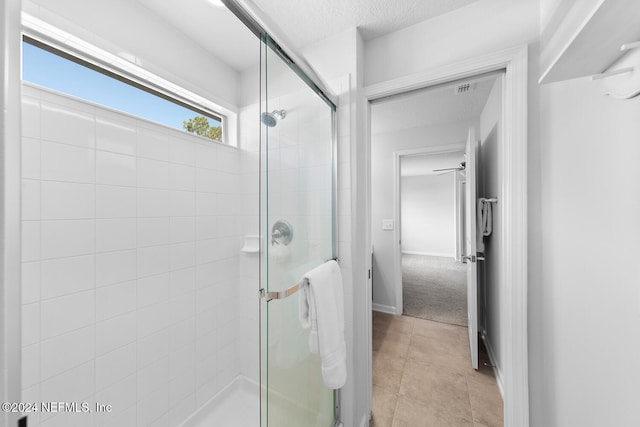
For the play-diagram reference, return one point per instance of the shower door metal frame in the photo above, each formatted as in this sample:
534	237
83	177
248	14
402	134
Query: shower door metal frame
307	75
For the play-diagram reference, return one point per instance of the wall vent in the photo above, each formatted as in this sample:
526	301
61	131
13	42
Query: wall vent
464	88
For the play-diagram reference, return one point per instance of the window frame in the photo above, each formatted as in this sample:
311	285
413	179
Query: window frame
137	82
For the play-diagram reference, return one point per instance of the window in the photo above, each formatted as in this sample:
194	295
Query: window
57	70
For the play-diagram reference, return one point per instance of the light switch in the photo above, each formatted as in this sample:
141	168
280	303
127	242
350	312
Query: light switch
387	224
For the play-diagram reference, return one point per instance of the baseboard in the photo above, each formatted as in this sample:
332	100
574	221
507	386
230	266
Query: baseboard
496	369
383	308
429	254
366	420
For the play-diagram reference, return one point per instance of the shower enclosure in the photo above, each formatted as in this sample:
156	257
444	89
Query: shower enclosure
159	267
298	223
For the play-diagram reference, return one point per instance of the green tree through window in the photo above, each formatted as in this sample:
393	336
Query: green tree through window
200	126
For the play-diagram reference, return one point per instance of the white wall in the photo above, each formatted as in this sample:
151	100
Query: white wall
428	215
130	262
590	229
479	28
490	185
383	147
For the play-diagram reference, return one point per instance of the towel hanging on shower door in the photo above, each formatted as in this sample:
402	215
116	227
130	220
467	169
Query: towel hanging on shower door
321	308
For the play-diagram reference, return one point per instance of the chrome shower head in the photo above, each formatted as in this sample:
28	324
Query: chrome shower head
271	119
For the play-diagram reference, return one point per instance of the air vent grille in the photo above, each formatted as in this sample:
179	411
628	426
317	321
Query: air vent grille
464	88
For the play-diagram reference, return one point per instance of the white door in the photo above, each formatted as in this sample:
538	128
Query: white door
470	244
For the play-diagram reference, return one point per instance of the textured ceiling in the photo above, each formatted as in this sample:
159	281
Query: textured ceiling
303	21
308	21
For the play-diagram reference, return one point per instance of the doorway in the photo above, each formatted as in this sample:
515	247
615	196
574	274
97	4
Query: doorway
512	162
513	206
414	138
433	277
432	147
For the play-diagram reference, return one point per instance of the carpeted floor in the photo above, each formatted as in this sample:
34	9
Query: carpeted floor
434	288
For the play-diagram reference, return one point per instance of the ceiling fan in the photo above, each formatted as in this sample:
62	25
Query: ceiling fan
460	167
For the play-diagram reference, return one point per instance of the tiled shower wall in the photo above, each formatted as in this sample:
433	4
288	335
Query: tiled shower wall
249	262
131	247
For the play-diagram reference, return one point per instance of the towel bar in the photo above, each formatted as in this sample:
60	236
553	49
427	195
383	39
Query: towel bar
492	200
283	294
280	294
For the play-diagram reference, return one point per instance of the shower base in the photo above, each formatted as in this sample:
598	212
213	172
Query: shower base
238	405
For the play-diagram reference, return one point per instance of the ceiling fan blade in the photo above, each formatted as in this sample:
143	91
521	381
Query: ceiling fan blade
447	169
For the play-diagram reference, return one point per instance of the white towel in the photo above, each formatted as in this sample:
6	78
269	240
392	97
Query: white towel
322	310
487	218
485	223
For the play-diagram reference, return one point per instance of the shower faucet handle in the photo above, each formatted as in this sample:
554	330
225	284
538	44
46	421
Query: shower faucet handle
275	237
281	233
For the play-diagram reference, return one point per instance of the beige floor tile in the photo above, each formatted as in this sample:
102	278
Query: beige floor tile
384	406
388	371
411	413
392	323
424	327
486	401
437	386
391	343
446	350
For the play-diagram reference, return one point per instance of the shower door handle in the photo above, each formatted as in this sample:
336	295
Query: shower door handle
470	258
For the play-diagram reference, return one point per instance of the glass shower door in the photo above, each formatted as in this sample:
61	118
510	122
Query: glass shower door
297	229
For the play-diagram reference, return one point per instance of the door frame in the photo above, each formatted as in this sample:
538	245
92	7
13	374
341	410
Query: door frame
513	204
397	229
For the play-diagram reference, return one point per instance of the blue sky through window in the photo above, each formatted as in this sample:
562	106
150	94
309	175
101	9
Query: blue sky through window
50	70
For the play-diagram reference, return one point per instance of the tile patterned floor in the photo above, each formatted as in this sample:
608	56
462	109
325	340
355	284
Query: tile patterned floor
422	376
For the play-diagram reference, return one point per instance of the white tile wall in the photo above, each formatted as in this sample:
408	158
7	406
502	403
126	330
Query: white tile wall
130	247
67	200
60	123
115	366
114	267
30	282
115	169
115	332
60	162
115	202
64	276
30	199
246	220
115	300
115	133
